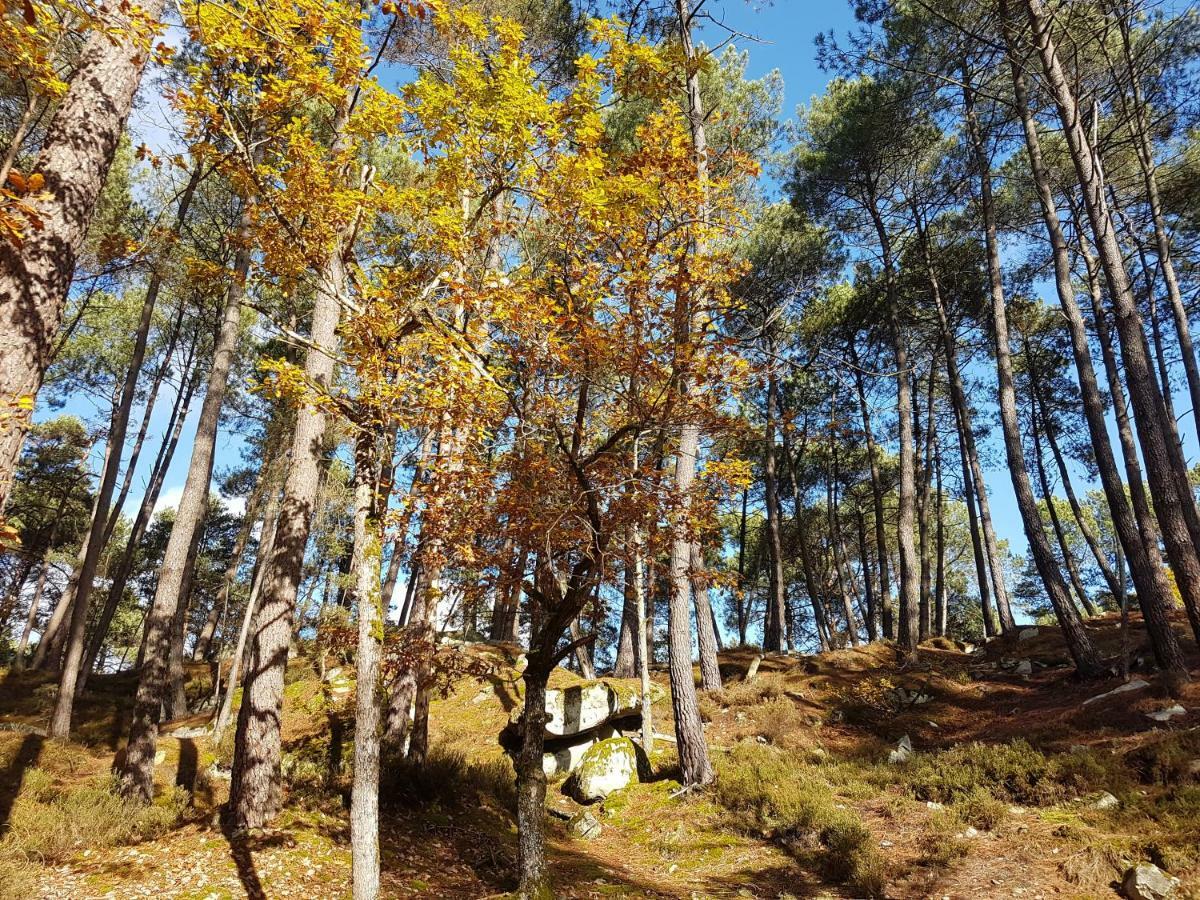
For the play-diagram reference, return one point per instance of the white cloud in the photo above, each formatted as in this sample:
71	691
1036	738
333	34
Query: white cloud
169	499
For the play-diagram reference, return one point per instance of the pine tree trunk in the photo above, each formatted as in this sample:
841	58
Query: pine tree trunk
820	620
776	609
706	632
77	151
909	627
973	484
872	616
1162	240
695	767
266	542
625	665
137	770
1087	660
881	549
1174	504
141	521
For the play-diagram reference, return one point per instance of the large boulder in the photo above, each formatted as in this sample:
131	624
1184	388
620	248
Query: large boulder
606	767
582	707
1148	882
563	756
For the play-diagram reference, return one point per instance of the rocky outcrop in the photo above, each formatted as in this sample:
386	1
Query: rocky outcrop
580	716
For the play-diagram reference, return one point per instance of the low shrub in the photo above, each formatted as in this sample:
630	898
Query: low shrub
447	779
777	792
1014	772
765	686
52	824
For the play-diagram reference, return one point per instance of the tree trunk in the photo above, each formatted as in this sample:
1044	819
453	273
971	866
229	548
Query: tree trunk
695	767
872	616
35	277
1087	659
820	620
162	463
1162	241
137	771
531	792
266	542
625	665
926	617
974	486
706	632
364	800
776	609
881	549
1174	504
1060	536
909	628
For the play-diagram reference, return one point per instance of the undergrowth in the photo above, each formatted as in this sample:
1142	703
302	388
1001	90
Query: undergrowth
777	792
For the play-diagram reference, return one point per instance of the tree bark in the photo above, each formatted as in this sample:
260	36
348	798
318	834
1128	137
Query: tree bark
364	800
706	632
35	277
531	792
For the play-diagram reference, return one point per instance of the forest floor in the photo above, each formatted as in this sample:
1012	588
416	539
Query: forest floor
1003	795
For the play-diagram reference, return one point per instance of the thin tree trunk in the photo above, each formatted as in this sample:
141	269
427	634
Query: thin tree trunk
364	800
881	549
35	277
820	620
694	764
1162	240
776	609
972	479
926	618
909	629
1060	536
706	632
1087	659
162	463
872	616
625	665
266	541
137	770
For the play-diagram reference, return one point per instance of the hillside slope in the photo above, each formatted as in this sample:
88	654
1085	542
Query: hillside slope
1014	787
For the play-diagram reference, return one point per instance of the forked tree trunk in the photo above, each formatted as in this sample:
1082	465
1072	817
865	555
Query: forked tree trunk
77	152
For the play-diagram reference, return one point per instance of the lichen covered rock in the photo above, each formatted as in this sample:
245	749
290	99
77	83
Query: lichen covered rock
606	767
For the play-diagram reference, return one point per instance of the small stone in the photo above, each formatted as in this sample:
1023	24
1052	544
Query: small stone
1078	748
903	751
886	844
970	832
1024	667
1027	634
584	826
159	757
933	804
1136	684
1148	882
1165	715
1105	801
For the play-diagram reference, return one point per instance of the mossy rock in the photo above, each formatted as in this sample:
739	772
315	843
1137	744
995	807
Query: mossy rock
608	766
